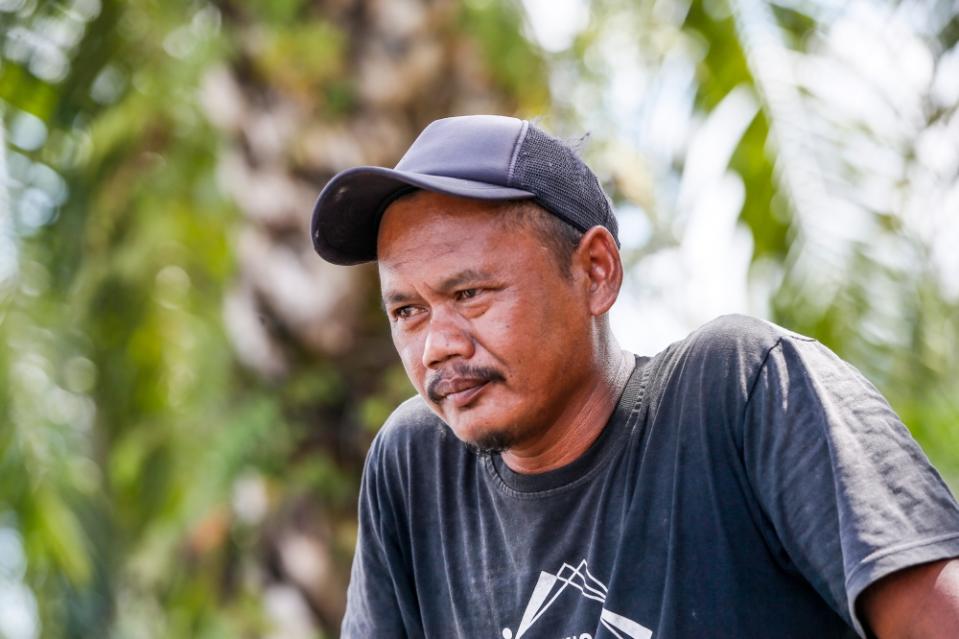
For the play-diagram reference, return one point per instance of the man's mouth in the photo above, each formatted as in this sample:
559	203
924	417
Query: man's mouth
460	392
461	385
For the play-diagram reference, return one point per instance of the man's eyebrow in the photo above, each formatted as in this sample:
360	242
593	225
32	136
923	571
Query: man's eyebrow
467	276
391	298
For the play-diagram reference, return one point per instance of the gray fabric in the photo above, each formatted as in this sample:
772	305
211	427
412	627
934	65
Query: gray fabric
441	149
749	484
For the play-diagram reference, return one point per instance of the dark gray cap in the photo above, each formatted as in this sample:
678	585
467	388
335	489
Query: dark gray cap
487	157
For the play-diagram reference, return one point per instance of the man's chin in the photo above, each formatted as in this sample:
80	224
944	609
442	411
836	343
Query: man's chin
491	444
487	442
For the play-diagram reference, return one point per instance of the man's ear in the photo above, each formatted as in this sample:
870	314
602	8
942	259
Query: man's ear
597	260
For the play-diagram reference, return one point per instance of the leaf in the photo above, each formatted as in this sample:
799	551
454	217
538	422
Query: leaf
59	531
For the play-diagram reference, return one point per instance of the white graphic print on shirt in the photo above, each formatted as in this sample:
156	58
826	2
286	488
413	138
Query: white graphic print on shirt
549	587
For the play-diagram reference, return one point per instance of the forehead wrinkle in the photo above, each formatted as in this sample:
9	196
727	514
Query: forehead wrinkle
404	259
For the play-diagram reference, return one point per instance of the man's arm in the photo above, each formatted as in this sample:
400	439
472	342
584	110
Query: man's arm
920	602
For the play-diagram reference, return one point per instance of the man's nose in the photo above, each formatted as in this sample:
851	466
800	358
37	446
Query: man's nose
446	338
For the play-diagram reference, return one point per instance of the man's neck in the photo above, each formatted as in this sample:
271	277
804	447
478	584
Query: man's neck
579	426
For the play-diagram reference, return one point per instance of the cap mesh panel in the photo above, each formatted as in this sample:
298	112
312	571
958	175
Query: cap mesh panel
562	182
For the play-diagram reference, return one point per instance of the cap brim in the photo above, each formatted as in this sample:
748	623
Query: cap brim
346	216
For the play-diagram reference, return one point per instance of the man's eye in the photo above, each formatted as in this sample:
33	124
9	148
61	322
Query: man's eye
468	293
404	312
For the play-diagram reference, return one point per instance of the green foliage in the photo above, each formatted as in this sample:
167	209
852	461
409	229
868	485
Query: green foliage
796	25
516	67
761	213
279	13
26	92
723	66
302	59
722	69
122	415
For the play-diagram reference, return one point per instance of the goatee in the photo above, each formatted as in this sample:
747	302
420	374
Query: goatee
491	444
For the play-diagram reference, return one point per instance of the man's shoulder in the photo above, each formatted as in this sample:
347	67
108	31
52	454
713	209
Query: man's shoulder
733	334
725	353
412	452
413	413
411	427
411	420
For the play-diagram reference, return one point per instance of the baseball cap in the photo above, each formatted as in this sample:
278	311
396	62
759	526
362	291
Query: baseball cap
488	157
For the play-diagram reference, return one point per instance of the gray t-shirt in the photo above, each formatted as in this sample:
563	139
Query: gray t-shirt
749	484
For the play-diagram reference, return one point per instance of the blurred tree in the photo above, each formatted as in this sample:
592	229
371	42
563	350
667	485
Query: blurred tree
188	390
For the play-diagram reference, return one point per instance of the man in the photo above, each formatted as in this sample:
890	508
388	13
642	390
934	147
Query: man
744	482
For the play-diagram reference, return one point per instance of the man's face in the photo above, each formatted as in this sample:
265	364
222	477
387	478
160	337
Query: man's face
487	326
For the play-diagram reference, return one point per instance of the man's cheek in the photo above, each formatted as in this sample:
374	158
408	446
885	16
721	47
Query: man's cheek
496	333
411	356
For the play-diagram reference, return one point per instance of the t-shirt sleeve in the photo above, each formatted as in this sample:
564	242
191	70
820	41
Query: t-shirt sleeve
848	492
373	607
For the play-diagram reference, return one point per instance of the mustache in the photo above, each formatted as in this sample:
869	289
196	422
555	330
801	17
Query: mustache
480	374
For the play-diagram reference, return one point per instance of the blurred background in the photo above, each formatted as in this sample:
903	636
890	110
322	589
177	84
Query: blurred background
187	392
